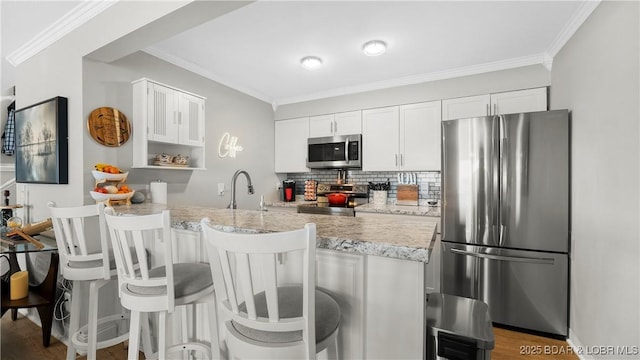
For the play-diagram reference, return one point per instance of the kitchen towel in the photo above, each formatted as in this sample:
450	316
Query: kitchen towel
158	190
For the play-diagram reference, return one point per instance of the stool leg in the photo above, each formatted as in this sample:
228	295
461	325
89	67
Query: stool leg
162	335
332	350
213	331
146	336
74	320
184	333
92	323
134	335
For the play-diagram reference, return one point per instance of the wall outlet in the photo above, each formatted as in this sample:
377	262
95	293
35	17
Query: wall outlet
220	189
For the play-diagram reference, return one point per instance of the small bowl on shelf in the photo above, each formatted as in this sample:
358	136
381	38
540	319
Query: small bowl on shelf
100	176
98	196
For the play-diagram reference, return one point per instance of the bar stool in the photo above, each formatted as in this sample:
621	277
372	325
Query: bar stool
265	319
85	257
158	289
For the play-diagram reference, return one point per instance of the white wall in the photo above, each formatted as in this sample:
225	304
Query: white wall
497	81
596	76
227	110
57	71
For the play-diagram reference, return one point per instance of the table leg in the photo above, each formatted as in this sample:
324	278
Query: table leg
46	319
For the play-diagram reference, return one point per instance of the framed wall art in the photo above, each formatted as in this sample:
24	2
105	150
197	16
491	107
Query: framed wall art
42	143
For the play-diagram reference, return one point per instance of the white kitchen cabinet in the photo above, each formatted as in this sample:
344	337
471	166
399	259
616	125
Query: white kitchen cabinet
395	308
465	107
380	137
513	102
291	145
347	123
342	275
508	102
420	136
405	137
167	120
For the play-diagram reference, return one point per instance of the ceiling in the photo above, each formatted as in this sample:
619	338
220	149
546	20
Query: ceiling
257	48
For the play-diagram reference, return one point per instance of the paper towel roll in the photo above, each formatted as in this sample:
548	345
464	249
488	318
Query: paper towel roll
158	190
19	285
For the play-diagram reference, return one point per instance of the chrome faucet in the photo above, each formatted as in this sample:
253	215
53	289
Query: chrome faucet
232	203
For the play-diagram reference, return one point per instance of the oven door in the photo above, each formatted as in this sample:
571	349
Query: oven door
334	152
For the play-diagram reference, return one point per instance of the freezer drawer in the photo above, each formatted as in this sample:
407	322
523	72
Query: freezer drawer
526	289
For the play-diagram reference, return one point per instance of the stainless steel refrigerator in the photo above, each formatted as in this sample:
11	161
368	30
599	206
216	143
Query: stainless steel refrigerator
505	216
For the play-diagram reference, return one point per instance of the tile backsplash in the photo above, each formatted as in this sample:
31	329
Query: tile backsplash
428	181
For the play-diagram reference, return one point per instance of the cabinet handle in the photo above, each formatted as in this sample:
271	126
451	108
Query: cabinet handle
396	159
332	127
495	109
179	118
488	111
335	127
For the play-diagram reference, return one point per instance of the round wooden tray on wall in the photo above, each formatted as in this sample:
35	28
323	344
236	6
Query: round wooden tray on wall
109	126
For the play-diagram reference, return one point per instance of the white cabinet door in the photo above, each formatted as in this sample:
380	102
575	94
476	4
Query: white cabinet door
465	107
420	136
513	102
291	145
321	125
191	120
162	110
380	138
342	276
348	123
395	294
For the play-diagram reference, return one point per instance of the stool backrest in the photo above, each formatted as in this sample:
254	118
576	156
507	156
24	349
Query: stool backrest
132	231
84	253
238	259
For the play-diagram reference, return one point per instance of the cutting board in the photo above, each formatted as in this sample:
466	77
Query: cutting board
407	195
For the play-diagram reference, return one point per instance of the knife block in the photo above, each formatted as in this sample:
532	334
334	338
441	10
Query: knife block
407	195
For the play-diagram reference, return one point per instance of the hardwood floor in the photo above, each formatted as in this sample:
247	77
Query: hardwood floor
22	339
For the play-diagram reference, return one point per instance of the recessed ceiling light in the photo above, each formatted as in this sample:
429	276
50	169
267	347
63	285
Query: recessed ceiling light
374	47
311	62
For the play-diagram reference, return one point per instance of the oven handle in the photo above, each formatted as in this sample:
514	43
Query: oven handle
346	150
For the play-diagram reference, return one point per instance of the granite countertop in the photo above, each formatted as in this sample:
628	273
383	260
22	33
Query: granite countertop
287	204
421	210
412	239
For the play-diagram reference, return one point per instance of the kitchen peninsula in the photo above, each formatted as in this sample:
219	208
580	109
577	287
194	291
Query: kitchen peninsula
375	269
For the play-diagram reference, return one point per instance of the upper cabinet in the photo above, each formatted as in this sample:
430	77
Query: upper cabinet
405	137
347	123
167	120
291	145
509	102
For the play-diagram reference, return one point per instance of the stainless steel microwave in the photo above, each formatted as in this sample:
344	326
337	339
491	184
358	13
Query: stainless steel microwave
335	152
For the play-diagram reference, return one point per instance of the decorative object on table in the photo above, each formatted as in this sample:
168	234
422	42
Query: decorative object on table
38	227
14	223
19	285
109	126
138	198
164	159
310	190
20	233
42	143
380	192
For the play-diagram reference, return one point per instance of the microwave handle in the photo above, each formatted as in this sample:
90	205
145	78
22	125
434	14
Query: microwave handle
346	150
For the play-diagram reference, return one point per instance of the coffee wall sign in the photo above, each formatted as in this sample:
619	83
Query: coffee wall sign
228	146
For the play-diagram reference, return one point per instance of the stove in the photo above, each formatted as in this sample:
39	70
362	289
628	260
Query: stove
358	195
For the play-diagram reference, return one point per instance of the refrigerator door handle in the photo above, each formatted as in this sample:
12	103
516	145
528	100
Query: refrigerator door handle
522	259
495	180
503	179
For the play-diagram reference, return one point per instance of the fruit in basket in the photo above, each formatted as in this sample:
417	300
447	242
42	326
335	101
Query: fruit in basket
108	168
124	189
111	189
100	190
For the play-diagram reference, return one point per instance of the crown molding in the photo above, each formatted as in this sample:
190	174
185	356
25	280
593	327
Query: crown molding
197	69
578	18
421	78
80	14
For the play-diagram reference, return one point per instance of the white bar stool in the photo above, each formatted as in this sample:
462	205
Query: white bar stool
276	321
159	289
85	257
